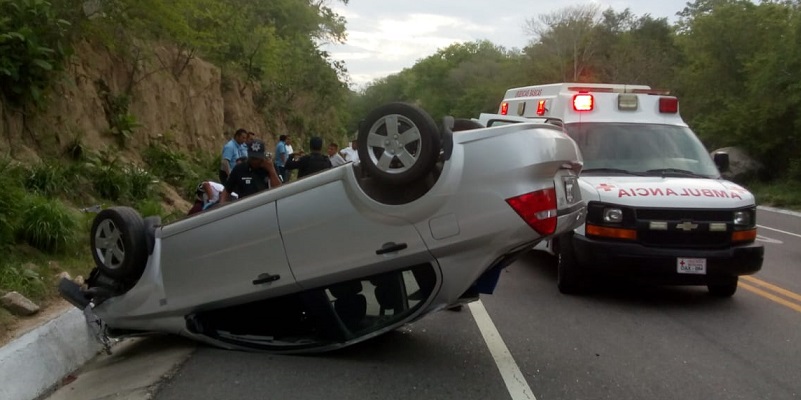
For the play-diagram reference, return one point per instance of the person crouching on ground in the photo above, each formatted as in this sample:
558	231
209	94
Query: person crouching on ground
257	174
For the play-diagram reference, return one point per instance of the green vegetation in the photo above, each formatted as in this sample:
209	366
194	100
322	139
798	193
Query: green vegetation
34	42
783	194
734	64
47	225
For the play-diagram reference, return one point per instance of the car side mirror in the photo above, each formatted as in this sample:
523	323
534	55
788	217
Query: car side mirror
722	161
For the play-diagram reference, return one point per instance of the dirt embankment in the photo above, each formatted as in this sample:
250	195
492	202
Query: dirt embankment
187	101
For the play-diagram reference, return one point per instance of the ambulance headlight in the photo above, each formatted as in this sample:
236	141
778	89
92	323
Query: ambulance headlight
743	218
613	215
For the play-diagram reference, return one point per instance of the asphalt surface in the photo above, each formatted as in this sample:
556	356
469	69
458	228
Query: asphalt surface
621	341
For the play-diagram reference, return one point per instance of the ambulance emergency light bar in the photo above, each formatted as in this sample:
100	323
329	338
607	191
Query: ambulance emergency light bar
627	100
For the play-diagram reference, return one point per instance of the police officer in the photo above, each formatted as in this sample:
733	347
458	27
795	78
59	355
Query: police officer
255	175
310	163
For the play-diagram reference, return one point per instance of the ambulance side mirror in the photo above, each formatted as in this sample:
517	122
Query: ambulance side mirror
722	161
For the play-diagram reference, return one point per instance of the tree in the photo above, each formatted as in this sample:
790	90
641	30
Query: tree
740	80
565	38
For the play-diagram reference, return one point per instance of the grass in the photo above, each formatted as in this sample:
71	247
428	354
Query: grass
42	234
780	194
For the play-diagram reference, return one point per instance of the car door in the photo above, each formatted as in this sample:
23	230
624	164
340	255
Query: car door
330	236
226	256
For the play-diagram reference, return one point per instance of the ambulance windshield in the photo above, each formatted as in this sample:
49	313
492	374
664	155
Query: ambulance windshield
642	149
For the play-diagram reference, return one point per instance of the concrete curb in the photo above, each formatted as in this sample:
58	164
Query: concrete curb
35	362
780	211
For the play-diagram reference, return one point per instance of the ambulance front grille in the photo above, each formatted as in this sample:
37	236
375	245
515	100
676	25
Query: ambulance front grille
684	228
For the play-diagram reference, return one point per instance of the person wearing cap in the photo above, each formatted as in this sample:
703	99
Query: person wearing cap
233	152
313	162
252	176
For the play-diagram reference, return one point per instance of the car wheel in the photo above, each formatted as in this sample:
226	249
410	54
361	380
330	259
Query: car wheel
569	279
119	245
398	143
726	289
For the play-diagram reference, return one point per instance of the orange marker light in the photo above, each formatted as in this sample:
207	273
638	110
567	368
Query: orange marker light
613	233
744	236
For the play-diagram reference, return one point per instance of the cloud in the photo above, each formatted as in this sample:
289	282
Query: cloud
387	36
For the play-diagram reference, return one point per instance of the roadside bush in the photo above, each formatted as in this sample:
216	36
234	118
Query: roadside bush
47	225
169	165
47	178
140	183
106	175
11	197
23	280
33	43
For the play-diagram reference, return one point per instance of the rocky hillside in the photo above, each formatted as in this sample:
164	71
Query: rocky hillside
105	101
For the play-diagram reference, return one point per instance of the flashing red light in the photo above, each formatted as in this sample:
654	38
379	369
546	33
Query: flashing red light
538	209
541	107
668	105
583	102
504	108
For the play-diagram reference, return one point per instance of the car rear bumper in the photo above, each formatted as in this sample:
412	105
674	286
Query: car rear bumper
660	264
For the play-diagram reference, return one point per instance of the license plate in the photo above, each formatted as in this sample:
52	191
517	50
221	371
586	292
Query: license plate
572	190
691	266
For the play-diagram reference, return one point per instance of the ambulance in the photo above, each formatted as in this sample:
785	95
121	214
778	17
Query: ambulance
657	207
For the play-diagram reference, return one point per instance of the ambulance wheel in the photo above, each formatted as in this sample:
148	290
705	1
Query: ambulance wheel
398	143
569	279
119	244
725	289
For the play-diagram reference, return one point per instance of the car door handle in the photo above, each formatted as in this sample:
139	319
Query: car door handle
265	278
391	248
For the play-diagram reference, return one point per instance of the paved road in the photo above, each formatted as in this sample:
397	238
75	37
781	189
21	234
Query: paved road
619	342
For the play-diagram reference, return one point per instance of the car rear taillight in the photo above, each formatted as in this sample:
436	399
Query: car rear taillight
583	102
538	209
504	108
668	105
541	107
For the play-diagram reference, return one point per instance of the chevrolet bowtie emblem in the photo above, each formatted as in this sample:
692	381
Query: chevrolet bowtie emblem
686	226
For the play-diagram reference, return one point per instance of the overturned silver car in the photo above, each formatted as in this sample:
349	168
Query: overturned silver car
426	221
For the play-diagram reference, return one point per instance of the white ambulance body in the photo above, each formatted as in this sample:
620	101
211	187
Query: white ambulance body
657	208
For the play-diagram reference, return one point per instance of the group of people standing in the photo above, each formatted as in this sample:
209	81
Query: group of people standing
246	168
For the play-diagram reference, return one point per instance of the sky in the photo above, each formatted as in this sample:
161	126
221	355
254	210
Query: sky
386	36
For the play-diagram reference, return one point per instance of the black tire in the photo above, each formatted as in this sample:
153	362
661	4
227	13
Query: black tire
119	244
724	289
569	279
389	159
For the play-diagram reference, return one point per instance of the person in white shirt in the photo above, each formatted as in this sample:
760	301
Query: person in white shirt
351	153
333	155
207	194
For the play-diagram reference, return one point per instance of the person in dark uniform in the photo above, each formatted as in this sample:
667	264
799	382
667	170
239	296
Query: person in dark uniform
316	161
253	176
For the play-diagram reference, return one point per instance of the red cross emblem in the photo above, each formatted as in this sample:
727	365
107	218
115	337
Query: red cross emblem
605	187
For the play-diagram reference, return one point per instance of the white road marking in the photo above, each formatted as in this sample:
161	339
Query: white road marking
512	376
768	240
778	230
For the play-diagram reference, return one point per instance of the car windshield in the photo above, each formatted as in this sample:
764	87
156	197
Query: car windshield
642	149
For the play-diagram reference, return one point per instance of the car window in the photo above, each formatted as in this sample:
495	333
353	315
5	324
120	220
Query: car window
640	148
321	317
